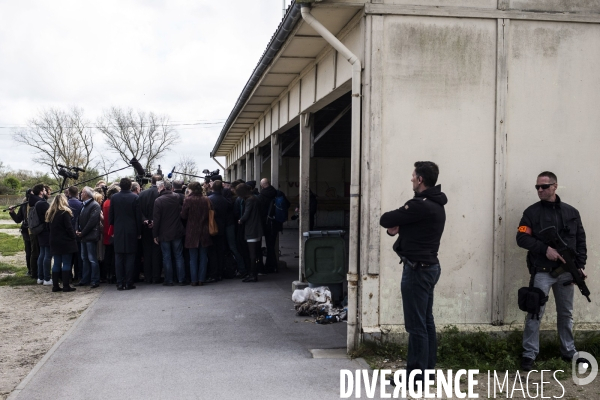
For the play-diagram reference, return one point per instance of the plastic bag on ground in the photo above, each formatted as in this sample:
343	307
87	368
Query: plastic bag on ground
320	295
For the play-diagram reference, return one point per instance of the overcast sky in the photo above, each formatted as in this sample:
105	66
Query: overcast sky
187	59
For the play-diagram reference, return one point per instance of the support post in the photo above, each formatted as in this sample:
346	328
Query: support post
257	164
248	169
306	130
275	157
239	169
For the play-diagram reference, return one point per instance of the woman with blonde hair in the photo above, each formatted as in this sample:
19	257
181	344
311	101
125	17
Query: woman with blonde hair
63	242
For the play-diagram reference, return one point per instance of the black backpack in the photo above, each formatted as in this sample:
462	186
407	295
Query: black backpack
33	221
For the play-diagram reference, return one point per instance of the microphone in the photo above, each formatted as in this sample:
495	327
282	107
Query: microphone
171	173
137	166
77	169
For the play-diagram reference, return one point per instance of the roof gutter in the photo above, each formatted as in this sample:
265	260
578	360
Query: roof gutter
277	41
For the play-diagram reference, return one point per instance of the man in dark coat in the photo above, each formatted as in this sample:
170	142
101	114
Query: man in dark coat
126	218
37	194
216	253
270	226
88	232
20	217
419	224
168	230
152	253
75	205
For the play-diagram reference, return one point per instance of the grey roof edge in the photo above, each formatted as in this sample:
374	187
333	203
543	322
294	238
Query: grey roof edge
292	16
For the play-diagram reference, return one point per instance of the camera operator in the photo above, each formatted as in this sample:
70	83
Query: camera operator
21	217
45	258
151	250
37	193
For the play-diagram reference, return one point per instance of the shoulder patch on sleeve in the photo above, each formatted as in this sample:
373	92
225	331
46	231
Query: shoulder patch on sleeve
525	229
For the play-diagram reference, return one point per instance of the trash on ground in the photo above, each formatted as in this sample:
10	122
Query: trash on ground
316	303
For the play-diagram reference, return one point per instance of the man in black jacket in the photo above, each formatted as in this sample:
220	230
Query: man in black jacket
152	253
20	217
270	226
88	233
168	230
419	224
543	259
216	253
126	219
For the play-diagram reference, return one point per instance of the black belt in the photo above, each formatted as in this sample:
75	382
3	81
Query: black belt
413	265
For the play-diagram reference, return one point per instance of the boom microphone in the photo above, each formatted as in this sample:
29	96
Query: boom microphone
61	166
137	166
171	173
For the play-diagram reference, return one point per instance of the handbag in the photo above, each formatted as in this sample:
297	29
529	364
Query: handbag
213	229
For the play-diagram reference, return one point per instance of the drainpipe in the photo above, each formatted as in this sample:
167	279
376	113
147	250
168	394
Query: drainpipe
353	333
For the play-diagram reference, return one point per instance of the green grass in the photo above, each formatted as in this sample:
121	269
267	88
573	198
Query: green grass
4	215
10	226
484	351
10	244
19	278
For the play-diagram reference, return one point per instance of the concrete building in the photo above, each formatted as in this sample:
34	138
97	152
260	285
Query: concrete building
349	94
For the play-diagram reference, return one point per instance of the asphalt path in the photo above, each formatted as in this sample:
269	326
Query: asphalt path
228	340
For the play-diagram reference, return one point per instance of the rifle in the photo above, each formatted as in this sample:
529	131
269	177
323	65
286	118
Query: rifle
553	239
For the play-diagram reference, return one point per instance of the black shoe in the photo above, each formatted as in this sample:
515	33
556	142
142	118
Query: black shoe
56	277
66	275
168	284
526	364
129	287
578	361
183	283
120	287
82	284
95	285
210	280
250	279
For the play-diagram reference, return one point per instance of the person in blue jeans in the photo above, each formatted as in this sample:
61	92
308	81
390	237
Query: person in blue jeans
63	243
168	231
197	237
419	224
88	232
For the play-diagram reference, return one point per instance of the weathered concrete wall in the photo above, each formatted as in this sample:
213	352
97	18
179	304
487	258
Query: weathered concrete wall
553	124
439	104
556	5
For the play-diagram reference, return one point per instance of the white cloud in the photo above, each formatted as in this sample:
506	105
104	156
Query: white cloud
187	59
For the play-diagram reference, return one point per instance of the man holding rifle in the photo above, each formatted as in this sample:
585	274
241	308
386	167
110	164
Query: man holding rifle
547	266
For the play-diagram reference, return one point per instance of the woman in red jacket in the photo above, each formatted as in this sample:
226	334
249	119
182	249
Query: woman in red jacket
109	251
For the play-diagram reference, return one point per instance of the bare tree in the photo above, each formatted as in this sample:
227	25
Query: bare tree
132	134
186	166
59	137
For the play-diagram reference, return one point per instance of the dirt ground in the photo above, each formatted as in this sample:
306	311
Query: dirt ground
552	389
32	319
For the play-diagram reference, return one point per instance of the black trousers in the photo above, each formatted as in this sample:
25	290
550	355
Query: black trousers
27	253
109	261
216	256
152	256
271	242
77	263
125	268
35	253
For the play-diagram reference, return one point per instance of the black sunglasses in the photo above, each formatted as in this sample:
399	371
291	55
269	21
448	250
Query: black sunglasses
544	186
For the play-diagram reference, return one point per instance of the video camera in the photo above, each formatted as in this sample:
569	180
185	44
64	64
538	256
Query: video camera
210	175
69	172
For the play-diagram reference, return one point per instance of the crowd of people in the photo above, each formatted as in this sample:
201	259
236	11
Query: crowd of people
168	233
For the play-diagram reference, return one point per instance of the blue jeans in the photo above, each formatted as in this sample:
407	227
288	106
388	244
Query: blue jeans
417	300
91	270
175	247
63	260
43	263
230	234
563	296
198	263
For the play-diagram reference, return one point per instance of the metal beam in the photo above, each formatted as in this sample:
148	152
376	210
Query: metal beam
332	123
289	146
